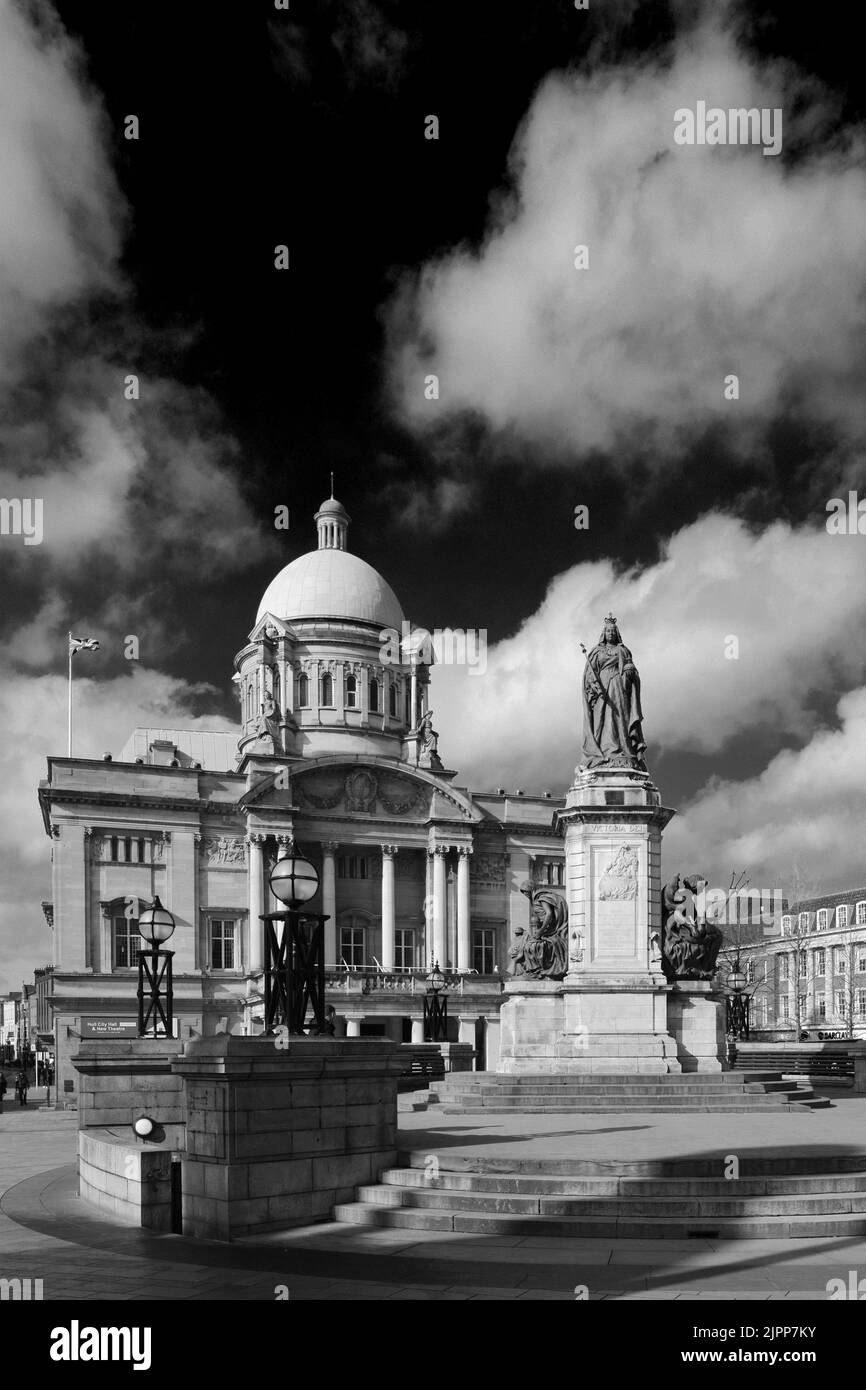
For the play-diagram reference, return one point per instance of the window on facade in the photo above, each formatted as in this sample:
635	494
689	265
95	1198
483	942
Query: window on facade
861	914
352	946
750	971
861	958
483	950
840	1003
841	960
374	696
820	962
392	700
354	866
126	941
821	1005
786	925
783	967
802	964
822	919
326	696
802	1007
222	943
861	1003
303	691
552	872
803	921
351	692
842	915
404	948
785	1006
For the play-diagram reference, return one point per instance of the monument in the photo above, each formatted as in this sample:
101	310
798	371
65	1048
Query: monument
597	985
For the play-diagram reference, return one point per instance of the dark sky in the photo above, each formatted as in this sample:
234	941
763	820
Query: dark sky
260	127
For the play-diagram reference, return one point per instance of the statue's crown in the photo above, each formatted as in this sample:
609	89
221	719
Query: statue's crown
610	619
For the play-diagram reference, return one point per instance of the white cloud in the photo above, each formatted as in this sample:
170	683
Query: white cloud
806	807
703	262
794	599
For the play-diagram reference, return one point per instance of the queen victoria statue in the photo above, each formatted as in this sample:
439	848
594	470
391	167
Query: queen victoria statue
612	716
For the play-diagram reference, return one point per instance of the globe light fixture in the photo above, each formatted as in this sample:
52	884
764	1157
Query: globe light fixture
143	1126
294	880
156	923
435	980
736	981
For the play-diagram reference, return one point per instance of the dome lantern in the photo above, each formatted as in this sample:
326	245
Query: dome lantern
332	521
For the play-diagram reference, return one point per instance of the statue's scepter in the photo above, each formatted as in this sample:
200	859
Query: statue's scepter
596	682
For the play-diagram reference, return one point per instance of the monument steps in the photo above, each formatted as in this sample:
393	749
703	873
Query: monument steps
813	1196
595	1092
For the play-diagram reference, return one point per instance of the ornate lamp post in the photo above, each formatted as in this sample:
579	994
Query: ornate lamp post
737	1005
435	1009
294	961
155	997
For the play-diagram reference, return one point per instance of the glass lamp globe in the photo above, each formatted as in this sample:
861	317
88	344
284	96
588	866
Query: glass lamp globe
435	979
736	981
294	880
156	923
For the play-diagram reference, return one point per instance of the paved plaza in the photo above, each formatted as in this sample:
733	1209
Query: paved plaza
47	1233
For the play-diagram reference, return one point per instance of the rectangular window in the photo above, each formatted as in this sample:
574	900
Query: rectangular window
786	926
821	1005
142	853
842	915
404	948
483	950
841	960
354	866
127	942
861	959
840	1003
352	946
222	943
750	971
820	962
783	967
114	848
861	914
803	921
802	967
861	1003
822	918
785	1007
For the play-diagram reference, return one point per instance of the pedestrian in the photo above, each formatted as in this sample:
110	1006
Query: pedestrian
3	1089
21	1087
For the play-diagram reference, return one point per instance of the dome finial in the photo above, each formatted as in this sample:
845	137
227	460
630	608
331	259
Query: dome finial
332	521
332	486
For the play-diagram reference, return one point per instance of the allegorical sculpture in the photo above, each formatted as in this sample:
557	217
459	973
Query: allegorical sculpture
690	944
612	716
541	949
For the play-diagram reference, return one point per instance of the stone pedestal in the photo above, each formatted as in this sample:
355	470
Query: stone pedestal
696	1018
609	1014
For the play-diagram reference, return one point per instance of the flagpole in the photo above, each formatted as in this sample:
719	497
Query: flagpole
69	721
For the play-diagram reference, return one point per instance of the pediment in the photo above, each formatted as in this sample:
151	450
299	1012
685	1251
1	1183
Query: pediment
378	790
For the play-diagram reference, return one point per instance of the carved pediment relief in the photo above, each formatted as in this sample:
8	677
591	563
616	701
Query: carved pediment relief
364	790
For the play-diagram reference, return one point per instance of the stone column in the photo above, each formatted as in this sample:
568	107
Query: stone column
413	703
255	958
417	1030
439	904
353	1026
388	920
464	934
329	899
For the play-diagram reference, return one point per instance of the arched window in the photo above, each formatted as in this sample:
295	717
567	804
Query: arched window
374	696
351	692
303	691
327	693
392	700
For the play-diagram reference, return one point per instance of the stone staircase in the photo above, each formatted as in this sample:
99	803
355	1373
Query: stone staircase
772	1197
466	1093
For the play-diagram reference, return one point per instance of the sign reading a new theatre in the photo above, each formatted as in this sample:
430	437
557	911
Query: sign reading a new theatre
109	1028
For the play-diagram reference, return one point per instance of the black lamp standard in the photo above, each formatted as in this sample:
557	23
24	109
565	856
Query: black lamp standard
155	998
294	962
435	1008
737	1006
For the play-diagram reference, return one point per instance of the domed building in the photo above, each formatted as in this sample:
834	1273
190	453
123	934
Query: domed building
336	753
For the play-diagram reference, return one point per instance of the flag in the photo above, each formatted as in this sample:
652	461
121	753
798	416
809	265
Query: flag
82	644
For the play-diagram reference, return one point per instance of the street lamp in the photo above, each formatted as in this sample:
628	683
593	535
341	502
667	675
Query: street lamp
435	1009
294	962
737	1004
155	996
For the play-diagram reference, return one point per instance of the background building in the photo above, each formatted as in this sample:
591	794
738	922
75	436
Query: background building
335	751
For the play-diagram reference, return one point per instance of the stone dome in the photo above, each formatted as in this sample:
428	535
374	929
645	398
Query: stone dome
332	583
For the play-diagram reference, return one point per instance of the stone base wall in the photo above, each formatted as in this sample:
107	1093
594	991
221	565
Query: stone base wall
125	1180
696	1019
564	1029
277	1137
121	1080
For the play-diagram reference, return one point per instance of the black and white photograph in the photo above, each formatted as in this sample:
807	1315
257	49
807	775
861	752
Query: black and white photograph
433	678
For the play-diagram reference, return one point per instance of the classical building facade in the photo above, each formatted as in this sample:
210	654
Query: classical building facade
810	974
336	752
